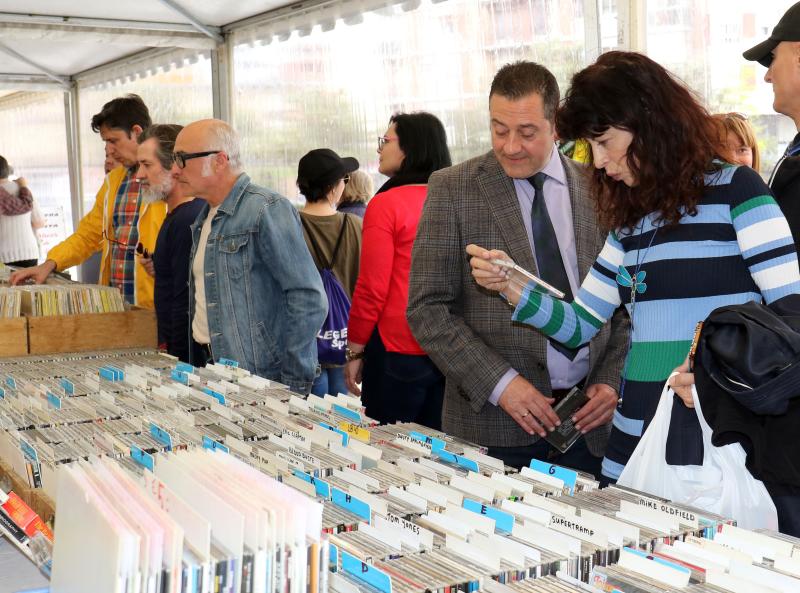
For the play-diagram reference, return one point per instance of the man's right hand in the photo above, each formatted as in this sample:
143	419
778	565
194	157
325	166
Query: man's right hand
148	265
528	407
38	273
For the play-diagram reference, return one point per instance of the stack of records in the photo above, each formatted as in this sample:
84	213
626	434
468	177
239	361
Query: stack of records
405	507
202	522
40	300
10	303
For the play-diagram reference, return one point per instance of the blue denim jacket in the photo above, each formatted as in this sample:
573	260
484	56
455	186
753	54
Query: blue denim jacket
264	295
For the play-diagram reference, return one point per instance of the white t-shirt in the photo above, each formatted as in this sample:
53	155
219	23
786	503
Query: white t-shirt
200	331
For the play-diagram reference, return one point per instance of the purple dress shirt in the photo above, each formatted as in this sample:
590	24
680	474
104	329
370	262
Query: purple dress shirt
564	373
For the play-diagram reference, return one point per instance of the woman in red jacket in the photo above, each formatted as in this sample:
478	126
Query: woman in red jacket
399	381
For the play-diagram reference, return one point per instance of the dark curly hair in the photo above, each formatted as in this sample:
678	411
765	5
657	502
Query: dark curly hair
674	137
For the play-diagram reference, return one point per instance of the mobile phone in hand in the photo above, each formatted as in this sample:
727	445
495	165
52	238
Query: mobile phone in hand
549	288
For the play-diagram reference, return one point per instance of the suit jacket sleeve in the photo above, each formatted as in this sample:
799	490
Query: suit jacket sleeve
439	269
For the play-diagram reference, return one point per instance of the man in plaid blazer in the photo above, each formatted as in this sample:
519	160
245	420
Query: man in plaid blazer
503	378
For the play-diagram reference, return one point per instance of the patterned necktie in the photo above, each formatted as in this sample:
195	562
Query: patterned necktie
548	256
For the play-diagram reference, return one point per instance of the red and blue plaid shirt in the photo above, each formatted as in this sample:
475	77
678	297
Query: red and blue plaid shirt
125	221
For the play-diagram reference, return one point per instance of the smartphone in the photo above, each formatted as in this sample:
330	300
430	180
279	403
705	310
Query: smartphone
549	288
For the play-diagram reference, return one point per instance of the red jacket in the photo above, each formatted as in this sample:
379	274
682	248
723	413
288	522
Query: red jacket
381	294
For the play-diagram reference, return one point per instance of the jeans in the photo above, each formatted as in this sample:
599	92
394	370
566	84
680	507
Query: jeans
576	457
330	380
401	387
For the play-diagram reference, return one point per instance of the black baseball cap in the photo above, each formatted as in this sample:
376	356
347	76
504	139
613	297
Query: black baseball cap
787	29
322	165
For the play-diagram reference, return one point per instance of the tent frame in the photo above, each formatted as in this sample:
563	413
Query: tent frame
631	32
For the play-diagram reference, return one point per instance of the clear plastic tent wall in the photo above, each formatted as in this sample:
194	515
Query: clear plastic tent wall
332	76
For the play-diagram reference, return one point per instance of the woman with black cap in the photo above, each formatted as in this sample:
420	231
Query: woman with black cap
334	240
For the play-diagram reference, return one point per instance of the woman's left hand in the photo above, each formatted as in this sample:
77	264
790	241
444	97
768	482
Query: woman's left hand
682	383
352	376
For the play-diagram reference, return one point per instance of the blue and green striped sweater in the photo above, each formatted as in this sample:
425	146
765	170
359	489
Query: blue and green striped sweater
737	248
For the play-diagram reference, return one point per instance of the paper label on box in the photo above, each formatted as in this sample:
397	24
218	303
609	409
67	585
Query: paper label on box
142	458
435	444
54	400
423	536
212	445
161	435
366	573
347	413
322	487
69	386
568	476
215	394
686	517
355	431
352	504
458	460
503	521
577	527
344	435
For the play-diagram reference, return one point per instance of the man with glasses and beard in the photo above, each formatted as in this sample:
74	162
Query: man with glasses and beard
256	295
120	220
170	261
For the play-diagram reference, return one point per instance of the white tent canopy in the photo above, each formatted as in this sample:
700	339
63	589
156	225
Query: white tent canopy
46	41
54	43
68	46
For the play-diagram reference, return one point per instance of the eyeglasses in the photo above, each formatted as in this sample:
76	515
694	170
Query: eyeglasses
346	179
181	157
138	248
382	140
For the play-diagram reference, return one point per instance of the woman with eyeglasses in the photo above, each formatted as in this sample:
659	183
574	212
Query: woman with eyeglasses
688	234
399	381
334	240
737	140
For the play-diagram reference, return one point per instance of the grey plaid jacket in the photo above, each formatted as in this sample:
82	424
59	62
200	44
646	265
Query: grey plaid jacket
467	330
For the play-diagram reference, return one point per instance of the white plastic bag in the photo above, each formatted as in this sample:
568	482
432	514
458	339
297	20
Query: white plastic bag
722	485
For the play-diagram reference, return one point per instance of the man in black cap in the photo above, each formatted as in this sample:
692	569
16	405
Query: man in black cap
781	55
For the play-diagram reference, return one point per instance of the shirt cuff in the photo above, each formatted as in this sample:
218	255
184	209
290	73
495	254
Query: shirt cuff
501	386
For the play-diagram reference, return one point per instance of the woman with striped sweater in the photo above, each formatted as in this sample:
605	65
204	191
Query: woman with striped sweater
688	234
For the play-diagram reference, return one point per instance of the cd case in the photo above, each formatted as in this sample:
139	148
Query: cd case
565	435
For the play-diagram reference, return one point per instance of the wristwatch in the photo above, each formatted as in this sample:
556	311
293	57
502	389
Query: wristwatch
349	355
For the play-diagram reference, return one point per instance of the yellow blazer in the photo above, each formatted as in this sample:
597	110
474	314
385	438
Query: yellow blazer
88	237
